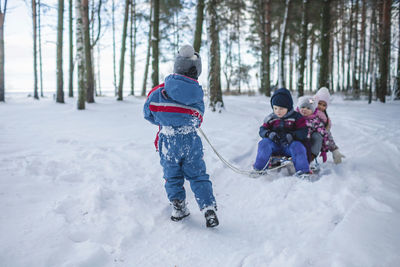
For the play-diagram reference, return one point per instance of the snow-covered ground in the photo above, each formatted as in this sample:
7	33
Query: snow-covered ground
85	188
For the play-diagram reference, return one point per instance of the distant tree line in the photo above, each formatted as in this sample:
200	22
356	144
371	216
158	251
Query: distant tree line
349	46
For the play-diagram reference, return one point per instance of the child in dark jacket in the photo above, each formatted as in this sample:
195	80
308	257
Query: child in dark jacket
282	133
177	107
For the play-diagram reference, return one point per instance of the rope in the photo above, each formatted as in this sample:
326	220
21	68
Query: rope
235	169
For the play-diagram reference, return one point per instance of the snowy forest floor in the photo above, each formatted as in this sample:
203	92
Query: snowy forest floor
85	188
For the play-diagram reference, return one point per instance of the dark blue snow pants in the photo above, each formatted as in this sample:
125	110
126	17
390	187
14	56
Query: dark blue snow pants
182	157
296	150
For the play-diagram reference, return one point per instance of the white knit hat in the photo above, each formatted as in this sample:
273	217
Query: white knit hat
307	102
323	95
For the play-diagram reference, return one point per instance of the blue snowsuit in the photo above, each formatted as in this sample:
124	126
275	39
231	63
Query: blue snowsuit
177	107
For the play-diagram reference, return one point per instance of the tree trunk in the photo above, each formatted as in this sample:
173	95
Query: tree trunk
80	56
362	48
71	53
35	72
290	72
311	61
264	7
133	45
122	59
281	70
384	60
60	78
114	49
356	80
303	48
199	25
2	19
88	52
343	43
397	92
214	73
371	53
323	80
146	68
40	49
349	48
155	40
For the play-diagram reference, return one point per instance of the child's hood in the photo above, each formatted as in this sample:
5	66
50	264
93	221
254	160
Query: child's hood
183	89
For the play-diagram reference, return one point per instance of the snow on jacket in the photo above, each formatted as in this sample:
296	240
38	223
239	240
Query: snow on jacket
176	106
293	123
316	124
177	102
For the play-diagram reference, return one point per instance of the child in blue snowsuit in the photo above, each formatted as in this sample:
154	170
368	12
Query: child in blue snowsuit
282	133
177	107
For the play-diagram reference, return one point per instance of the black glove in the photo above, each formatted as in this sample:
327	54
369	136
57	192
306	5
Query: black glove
273	136
287	139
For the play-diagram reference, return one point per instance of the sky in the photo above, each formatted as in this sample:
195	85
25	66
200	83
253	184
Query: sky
19	51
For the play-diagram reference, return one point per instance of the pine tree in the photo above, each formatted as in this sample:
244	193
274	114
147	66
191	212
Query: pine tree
155	41
60	78
303	47
3	12
71	52
35	72
323	80
214	73
199	25
384	58
122	59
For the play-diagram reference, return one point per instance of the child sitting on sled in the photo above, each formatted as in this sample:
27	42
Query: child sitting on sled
317	134
177	107
282	133
322	98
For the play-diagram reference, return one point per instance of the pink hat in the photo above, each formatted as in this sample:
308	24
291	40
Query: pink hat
323	95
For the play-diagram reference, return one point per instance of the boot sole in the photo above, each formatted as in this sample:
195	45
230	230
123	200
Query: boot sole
176	219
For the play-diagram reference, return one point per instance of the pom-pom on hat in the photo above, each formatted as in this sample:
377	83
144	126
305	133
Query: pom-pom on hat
188	62
307	102
282	98
323	95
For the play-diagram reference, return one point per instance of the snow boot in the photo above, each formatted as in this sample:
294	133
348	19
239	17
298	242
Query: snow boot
179	210
211	217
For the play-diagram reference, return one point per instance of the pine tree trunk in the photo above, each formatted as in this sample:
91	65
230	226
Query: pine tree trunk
2	19
71	52
146	68
155	41
371	54
311	61
356	86
264	8
343	43
80	56
397	92
35	72
60	78
323	80
281	63
199	25
349	48
214	73
122	59
303	48
133	45
362	47
40	49
290	72
384	60
88	52
114	48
